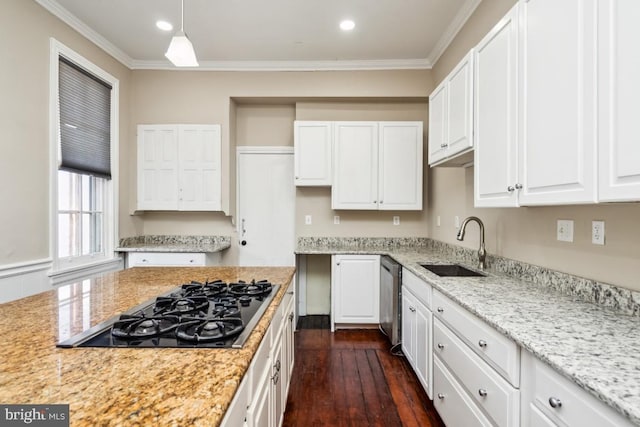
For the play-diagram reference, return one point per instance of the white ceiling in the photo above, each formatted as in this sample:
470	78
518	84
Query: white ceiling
272	34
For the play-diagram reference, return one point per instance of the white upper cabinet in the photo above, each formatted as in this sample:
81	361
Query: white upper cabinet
400	166
313	150
558	102
355	166
451	116
179	167
619	91
495	122
377	166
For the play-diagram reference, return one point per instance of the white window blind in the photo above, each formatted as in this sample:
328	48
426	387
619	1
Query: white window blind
85	121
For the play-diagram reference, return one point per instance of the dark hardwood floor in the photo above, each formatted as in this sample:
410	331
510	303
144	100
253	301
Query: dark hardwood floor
350	378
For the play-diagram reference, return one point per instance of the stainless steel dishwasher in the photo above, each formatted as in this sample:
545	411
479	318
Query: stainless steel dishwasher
390	299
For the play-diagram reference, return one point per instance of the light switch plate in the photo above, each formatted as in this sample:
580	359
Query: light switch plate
396	220
336	219
565	230
307	219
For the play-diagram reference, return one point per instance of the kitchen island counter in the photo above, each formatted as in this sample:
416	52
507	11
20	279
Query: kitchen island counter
122	386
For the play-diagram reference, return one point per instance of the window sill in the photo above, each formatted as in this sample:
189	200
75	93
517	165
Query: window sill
86	270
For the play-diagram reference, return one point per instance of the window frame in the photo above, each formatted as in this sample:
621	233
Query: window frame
82	265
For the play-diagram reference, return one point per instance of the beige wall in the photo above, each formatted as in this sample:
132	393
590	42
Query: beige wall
25	29
258	108
529	234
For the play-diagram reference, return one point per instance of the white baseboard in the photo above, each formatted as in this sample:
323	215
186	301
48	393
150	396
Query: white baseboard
24	279
32	277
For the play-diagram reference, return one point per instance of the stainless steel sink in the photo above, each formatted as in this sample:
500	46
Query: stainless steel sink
451	270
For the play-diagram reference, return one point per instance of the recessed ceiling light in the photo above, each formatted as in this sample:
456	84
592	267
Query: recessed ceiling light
347	25
164	25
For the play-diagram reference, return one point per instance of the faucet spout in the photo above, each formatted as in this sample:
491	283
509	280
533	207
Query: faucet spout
482	253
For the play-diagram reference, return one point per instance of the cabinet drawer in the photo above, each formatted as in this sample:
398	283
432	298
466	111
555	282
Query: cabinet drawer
165	259
261	362
543	387
419	288
498	350
451	401
489	390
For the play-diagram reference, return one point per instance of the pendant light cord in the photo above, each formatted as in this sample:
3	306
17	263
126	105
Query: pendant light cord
182	18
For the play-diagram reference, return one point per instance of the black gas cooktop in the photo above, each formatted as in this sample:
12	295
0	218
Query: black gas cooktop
213	314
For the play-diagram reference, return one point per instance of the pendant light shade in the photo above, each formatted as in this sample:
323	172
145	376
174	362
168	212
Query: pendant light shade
180	51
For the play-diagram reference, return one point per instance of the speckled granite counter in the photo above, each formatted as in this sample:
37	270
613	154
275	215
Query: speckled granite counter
590	336
122	386
152	243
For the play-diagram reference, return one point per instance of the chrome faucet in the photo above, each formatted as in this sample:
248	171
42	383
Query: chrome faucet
482	254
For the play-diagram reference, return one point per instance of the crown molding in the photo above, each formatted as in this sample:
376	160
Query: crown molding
70	19
452	30
337	65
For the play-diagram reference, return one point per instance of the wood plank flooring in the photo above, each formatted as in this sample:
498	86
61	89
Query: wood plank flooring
350	378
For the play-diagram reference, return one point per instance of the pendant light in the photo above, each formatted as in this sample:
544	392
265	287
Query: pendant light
180	51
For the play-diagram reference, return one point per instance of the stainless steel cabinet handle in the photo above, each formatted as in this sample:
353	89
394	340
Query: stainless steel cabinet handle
554	402
511	188
381	202
440	309
443	145
518	186
412	309
482	392
482	343
440	346
290	317
440	396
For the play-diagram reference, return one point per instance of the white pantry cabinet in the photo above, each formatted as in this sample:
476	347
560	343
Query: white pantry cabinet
179	167
312	142
619	91
495	121
417	327
549	399
451	117
557	125
355	289
377	166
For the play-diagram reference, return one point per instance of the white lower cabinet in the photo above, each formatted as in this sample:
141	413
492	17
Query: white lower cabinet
355	289
549	399
478	369
261	398
172	259
417	322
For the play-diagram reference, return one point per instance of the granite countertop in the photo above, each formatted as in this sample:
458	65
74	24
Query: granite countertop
123	386
161	243
593	344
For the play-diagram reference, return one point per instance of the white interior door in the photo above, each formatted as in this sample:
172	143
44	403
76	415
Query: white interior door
266	206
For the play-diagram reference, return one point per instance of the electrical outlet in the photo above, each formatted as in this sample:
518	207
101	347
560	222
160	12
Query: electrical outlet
597	232
336	219
438	221
307	219
396	220
456	221
565	230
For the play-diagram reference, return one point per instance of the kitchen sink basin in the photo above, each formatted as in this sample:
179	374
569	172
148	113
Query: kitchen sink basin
451	270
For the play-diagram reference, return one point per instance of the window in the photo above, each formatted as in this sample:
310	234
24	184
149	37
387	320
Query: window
84	129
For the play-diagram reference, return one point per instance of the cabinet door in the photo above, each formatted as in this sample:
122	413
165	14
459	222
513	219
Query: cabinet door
423	347
355	166
619	86
258	413
408	326
558	95
460	107
199	172
400	166
356	288
495	121
312	143
157	167
437	124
